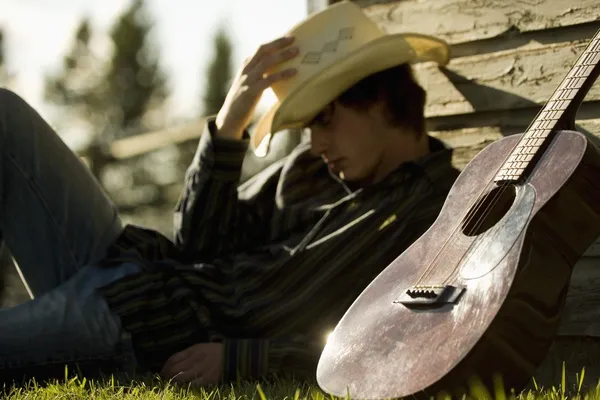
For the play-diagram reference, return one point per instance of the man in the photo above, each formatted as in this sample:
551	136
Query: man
258	274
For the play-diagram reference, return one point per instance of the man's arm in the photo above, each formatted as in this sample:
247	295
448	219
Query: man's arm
211	217
247	359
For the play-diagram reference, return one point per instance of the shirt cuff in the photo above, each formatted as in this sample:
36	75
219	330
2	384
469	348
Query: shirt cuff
245	359
226	156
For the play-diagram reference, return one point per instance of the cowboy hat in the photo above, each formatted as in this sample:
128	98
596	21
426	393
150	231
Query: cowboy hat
338	47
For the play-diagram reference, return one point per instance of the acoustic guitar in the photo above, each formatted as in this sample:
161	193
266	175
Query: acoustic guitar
479	296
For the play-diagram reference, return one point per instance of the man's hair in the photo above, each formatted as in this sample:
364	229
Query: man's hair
403	98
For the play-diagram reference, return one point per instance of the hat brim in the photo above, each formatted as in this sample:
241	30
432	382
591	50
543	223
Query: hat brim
378	55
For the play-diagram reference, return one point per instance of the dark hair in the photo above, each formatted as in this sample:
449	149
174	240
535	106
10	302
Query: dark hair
403	98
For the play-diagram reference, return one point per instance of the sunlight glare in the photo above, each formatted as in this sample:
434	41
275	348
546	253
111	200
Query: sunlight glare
328	336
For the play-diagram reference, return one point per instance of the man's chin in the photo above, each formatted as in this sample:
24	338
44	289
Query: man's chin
340	173
347	176
354	178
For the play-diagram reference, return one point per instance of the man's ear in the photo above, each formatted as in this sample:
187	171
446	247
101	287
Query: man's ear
380	113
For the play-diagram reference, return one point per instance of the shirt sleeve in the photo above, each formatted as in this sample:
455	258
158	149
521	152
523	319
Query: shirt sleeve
211	218
246	359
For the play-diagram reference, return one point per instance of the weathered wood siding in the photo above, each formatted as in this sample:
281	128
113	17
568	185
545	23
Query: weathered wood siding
508	58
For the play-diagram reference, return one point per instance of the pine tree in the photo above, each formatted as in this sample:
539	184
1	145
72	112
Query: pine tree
113	96
135	83
75	87
5	78
219	74
110	97
1	49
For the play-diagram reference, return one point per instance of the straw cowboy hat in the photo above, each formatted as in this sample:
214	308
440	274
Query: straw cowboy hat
338	46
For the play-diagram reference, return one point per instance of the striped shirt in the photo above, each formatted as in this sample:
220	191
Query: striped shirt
267	267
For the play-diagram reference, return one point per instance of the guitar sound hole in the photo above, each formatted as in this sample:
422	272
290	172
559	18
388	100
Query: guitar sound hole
489	210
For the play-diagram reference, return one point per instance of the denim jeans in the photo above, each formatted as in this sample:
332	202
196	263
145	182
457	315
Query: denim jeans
57	222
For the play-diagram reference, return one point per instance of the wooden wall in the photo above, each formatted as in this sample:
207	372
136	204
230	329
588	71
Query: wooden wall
508	58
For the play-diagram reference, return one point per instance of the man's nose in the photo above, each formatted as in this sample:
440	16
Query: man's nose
319	142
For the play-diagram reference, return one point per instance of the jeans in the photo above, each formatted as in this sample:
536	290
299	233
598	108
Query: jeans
57	222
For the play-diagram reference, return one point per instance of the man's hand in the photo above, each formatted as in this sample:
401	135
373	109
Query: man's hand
237	110
200	364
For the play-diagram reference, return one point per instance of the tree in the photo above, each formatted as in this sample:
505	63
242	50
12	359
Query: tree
1	49
111	97
5	77
75	87
135	84
219	74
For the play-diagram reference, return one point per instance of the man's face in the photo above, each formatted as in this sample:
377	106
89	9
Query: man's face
351	142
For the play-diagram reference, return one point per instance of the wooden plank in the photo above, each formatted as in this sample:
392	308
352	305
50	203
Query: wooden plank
460	21
511	121
510	40
509	79
467	142
581	313
471	136
150	141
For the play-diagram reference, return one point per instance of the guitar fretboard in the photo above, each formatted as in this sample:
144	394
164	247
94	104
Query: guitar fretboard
565	100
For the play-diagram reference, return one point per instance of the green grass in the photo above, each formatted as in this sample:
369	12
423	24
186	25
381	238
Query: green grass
76	388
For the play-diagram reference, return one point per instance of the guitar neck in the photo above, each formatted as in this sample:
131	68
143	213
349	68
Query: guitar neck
558	112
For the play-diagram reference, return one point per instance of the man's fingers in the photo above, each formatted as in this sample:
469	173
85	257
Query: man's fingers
186	371
242	98
200	364
271	79
275	45
272	60
181	372
182	361
178	357
170	370
267	49
187	376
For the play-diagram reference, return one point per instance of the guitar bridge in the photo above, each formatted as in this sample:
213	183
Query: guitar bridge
430	296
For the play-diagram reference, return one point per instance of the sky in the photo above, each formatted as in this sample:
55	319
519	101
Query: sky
39	32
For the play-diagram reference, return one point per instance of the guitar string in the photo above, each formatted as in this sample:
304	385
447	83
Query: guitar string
465	219
585	53
476	213
478	241
500	191
474	208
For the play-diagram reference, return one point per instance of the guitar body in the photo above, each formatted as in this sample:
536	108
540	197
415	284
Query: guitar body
514	257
